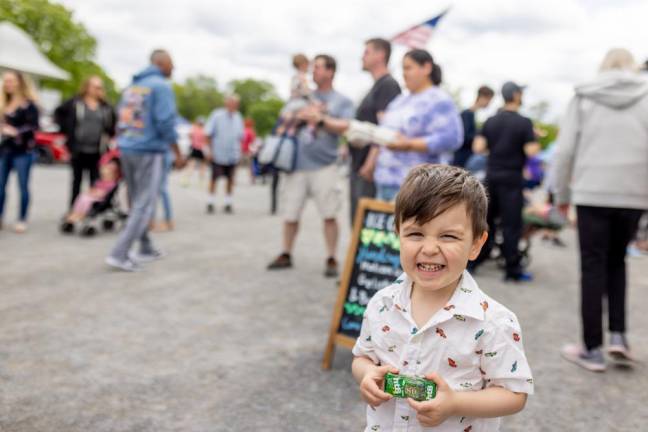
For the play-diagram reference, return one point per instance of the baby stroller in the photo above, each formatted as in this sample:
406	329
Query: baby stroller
100	210
544	217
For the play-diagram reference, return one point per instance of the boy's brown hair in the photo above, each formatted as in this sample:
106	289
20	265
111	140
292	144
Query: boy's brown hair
431	189
299	60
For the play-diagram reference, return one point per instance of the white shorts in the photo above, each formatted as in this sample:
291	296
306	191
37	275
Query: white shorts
322	185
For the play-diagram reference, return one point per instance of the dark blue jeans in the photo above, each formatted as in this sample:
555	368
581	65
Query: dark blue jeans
22	163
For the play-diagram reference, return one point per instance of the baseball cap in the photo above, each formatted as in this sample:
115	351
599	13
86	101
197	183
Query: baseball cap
509	88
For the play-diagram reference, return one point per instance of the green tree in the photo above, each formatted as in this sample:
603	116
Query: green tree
197	96
265	114
252	91
63	40
549	133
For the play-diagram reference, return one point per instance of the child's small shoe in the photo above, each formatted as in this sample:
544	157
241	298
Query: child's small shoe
67	227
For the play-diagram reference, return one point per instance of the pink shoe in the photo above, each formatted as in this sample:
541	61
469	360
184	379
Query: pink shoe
592	360
619	350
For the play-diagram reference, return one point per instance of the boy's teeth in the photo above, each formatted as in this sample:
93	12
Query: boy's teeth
431	267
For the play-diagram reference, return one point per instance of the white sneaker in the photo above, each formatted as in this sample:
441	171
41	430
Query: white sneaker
127	265
141	258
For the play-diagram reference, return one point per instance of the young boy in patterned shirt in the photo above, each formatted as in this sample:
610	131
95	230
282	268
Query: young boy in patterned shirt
435	322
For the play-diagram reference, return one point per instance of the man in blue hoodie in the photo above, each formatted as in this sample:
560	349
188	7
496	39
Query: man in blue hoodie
146	129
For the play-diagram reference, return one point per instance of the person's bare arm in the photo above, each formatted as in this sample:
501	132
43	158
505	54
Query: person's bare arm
370	377
314	115
335	125
180	160
487	403
402	143
490	402
532	148
480	145
369	166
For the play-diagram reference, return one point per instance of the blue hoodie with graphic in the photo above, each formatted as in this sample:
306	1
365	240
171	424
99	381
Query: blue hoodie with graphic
147	114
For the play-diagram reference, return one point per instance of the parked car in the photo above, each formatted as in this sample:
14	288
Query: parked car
50	148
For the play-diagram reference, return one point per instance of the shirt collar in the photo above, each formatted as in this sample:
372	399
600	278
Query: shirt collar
466	300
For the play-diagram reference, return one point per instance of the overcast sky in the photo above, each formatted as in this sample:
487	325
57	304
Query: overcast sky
550	45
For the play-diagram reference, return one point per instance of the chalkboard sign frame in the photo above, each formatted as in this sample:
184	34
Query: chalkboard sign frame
335	337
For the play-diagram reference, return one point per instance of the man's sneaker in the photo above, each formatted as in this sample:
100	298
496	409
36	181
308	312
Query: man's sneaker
518	277
146	257
283	261
619	350
228	209
126	265
210	209
592	360
331	269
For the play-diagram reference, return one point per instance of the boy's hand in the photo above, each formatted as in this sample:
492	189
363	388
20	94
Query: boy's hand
436	411
372	384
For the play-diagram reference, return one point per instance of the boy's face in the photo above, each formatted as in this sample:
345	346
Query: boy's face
436	253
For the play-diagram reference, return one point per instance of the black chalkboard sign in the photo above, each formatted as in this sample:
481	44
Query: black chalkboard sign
372	263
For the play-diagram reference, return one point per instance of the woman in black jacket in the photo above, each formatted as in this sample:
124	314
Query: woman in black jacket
88	123
18	123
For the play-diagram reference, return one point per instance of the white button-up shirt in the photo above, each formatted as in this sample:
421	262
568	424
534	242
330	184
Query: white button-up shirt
473	343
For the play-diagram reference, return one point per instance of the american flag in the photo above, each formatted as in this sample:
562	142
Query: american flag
419	35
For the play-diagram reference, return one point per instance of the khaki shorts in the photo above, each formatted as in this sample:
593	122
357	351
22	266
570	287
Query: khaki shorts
322	185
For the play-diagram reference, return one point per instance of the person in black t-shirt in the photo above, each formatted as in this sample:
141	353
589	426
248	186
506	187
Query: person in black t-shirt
484	96
363	160
509	139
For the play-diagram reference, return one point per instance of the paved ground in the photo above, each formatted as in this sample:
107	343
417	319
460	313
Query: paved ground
207	340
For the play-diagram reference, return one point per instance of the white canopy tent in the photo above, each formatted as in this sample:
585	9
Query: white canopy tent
18	51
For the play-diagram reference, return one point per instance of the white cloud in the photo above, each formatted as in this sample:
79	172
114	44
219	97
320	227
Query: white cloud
549	45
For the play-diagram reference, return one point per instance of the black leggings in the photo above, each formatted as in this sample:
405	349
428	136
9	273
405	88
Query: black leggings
604	234
83	162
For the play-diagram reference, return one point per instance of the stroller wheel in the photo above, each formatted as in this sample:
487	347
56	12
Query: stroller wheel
108	224
89	231
67	227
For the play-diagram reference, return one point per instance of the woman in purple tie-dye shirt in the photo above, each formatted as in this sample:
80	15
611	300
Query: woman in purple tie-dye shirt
427	120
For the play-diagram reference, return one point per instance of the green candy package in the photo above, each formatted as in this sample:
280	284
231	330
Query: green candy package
402	386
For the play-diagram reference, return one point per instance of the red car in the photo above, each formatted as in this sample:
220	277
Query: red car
50	147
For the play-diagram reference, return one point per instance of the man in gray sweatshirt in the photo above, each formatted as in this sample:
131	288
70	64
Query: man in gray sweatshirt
601	166
146	131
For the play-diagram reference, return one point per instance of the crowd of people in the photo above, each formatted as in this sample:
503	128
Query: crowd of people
609	189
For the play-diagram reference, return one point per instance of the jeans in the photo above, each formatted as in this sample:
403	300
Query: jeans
604	234
22	163
165	198
386	192
142	173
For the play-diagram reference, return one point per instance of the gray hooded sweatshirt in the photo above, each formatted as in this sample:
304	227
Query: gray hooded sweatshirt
602	150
